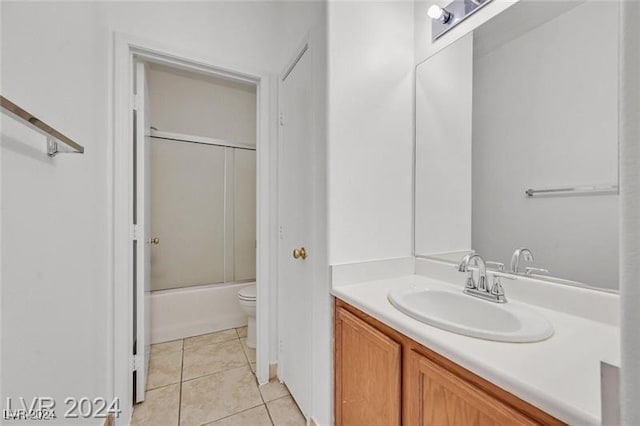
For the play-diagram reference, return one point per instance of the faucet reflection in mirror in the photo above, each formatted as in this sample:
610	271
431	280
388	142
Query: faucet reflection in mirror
443	19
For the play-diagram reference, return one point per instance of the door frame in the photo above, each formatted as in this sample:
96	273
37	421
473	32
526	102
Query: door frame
125	49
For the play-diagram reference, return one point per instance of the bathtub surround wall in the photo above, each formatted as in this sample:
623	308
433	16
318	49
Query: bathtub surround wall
630	211
62	204
202	105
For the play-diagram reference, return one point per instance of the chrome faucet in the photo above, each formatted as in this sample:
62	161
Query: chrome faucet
480	289
482	271
519	253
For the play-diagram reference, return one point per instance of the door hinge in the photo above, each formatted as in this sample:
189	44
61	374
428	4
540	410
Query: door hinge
136	102
135	232
135	363
282	118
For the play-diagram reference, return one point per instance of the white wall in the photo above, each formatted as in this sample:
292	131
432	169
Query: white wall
55	222
444	88
545	115
370	130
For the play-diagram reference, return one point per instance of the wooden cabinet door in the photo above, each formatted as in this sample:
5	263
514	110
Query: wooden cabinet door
437	397
368	375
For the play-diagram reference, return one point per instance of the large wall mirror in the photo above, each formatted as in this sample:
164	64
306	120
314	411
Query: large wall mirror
517	142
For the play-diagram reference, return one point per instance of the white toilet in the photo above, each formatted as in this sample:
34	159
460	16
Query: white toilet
247	299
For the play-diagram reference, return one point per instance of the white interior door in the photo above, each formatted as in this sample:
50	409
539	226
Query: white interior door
295	210
142	237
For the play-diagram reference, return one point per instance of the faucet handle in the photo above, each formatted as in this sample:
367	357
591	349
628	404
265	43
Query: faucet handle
470	282
530	270
498	265
497	289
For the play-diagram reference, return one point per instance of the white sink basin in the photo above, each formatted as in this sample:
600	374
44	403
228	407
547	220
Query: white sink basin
468	315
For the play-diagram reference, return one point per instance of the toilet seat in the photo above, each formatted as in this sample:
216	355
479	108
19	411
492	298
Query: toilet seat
247	293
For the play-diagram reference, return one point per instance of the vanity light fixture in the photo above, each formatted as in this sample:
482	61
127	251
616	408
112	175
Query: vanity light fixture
438	13
443	19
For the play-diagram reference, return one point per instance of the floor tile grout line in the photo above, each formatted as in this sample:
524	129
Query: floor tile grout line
165	384
228	341
234	414
269	414
166	353
266	407
158	388
207	334
181	374
217	372
212	343
214	372
162	386
199	335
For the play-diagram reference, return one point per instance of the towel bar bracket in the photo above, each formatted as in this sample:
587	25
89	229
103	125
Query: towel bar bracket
54	137
52	146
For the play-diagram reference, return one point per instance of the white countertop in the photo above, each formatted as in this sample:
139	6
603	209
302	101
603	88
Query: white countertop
560	375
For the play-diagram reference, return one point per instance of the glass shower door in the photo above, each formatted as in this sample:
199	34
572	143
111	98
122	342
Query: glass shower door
187	214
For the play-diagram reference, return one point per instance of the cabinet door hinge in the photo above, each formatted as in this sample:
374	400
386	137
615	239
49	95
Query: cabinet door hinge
282	118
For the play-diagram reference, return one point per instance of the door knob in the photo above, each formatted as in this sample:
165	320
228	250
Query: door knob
300	253
155	240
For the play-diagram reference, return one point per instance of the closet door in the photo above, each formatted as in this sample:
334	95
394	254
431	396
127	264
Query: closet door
187	213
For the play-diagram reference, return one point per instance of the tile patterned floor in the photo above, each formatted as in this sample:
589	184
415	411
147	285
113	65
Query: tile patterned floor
209	381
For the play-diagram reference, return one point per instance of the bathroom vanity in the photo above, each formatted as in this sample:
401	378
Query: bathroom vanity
384	377
393	369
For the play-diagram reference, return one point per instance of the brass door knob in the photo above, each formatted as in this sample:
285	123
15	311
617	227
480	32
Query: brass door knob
155	240
300	253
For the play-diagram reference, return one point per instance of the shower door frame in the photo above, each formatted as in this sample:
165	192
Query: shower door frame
127	49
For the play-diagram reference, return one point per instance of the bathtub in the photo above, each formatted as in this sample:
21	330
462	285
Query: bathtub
190	311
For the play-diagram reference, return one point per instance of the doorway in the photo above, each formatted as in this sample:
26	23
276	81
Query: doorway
195	218
130	343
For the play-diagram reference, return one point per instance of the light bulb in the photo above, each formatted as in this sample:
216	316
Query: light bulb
438	13
435	12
